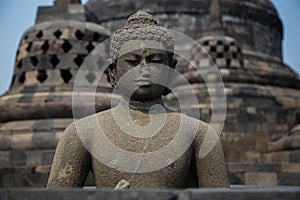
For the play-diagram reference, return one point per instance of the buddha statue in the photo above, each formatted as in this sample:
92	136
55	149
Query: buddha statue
139	143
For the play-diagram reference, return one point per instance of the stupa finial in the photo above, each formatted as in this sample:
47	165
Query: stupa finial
215	23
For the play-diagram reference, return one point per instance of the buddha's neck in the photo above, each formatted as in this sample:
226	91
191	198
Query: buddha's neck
141	105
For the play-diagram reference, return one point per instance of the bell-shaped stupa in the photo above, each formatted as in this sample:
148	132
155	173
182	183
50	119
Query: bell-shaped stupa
38	106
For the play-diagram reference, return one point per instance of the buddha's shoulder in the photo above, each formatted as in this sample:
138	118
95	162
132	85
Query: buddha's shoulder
189	121
191	126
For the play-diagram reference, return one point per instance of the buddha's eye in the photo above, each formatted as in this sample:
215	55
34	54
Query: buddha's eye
156	59
132	61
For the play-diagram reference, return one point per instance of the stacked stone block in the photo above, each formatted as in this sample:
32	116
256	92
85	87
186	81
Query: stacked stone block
38	106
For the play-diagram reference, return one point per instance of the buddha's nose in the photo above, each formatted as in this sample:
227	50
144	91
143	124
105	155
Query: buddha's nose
144	70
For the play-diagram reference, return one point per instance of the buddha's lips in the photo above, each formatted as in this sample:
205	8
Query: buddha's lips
143	82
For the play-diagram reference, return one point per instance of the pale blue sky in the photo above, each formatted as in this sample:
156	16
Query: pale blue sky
16	16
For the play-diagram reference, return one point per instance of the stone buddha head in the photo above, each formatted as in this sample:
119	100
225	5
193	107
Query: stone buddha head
141	55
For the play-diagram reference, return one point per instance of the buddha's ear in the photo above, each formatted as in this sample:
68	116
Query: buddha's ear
111	72
173	63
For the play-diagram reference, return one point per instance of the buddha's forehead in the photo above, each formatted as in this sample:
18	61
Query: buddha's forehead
142	47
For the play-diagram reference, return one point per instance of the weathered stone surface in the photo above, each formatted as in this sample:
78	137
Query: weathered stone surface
17	158
261	178
263	193
262	92
62	10
264	174
192	17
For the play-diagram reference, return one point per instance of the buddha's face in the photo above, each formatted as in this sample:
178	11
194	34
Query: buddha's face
141	74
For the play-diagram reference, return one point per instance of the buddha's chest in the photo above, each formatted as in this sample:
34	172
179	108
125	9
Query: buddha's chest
144	172
148	155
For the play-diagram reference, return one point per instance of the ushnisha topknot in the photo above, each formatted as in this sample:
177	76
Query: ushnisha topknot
140	26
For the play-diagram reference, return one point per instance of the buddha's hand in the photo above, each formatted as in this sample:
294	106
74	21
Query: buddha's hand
123	184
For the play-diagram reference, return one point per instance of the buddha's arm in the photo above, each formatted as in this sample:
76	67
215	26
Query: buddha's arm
210	162
71	163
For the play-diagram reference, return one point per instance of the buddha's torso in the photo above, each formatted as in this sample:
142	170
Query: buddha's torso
167	159
164	170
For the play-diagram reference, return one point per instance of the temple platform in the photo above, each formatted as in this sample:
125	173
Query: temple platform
235	192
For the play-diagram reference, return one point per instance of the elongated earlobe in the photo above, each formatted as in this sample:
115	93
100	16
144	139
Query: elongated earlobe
173	63
112	73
